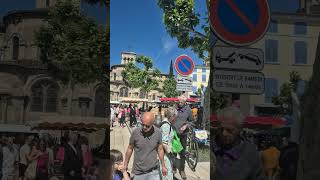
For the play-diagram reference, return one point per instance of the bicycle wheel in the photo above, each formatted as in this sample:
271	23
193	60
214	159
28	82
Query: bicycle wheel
192	153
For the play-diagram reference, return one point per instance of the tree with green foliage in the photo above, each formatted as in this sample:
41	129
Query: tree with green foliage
183	22
73	46
75	49
284	100
146	78
101	2
170	87
171	70
308	164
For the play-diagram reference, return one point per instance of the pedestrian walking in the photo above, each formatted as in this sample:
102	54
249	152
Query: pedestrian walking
170	116
119	172
132	114
270	159
146	142
122	116
289	160
235	158
183	119
72	159
112	115
24	151
10	159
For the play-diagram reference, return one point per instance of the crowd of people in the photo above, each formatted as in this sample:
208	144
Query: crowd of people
238	155
156	156
45	158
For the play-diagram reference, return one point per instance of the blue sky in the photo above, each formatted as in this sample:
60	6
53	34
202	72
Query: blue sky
137	26
97	12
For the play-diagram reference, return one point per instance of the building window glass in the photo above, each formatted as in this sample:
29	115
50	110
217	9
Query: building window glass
300	28
153	97
100	102
204	78
124	92
271	50
15	48
142	95
194	89
114	76
271	89
300	51
195	77
273	27
44	96
204	70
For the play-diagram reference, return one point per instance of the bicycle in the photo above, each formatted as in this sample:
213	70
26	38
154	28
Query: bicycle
191	152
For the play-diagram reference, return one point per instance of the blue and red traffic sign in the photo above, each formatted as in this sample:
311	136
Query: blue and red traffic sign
184	65
239	22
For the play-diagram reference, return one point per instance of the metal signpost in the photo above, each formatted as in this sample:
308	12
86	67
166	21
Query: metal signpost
184	66
238	24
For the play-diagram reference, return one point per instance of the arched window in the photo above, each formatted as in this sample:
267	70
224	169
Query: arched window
44	95
100	102
153	97
142	94
124	92
15	48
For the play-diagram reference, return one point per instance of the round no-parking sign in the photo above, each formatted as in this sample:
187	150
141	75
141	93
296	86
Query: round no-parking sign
184	65
239	22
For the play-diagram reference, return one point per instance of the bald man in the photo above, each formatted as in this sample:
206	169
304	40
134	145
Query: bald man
146	142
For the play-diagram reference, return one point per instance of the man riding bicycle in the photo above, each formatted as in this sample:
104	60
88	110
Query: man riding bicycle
181	125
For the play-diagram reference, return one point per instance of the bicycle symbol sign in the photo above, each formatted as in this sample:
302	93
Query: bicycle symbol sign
239	22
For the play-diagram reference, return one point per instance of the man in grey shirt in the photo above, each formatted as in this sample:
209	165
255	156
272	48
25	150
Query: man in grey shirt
146	142
183	119
235	158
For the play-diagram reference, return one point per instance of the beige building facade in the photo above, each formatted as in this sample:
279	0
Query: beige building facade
120	93
27	92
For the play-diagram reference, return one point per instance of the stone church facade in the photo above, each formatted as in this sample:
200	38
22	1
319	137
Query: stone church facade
27	92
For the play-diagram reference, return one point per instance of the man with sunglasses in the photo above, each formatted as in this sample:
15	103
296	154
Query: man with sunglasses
146	142
235	158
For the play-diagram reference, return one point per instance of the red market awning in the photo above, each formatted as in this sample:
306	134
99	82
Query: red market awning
258	120
177	99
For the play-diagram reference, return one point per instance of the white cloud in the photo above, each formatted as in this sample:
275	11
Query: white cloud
168	44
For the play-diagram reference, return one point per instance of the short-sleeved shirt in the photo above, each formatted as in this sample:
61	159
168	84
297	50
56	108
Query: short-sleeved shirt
24	151
145	150
184	116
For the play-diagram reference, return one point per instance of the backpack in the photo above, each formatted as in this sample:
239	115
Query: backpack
176	143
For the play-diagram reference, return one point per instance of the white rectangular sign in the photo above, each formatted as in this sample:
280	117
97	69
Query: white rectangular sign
184	87
238	82
226	57
183	79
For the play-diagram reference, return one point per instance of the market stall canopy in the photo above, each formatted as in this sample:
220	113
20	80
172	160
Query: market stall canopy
258	120
74	123
177	99
13	128
125	99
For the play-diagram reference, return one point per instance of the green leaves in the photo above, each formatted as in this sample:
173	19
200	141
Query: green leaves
170	87
73	45
181	22
145	78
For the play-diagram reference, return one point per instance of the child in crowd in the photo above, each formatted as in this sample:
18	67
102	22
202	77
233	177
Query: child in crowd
119	173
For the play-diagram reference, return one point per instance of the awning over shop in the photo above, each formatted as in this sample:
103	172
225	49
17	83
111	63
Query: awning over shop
114	102
75	123
133	100
258	120
177	99
13	128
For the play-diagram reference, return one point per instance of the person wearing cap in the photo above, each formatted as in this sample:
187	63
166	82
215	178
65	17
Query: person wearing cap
183	119
235	158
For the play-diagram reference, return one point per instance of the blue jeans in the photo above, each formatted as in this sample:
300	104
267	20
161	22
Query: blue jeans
154	175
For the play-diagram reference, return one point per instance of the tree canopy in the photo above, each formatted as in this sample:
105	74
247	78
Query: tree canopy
144	78
73	45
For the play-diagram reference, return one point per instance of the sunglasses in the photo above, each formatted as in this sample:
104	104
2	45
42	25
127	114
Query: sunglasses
145	125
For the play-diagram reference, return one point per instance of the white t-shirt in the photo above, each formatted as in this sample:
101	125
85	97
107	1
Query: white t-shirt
24	151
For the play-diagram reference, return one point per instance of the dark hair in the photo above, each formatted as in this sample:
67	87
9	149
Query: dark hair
115	156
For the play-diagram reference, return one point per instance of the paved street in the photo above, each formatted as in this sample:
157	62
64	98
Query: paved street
119	139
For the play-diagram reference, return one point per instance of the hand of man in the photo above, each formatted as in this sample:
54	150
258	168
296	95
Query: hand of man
164	171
